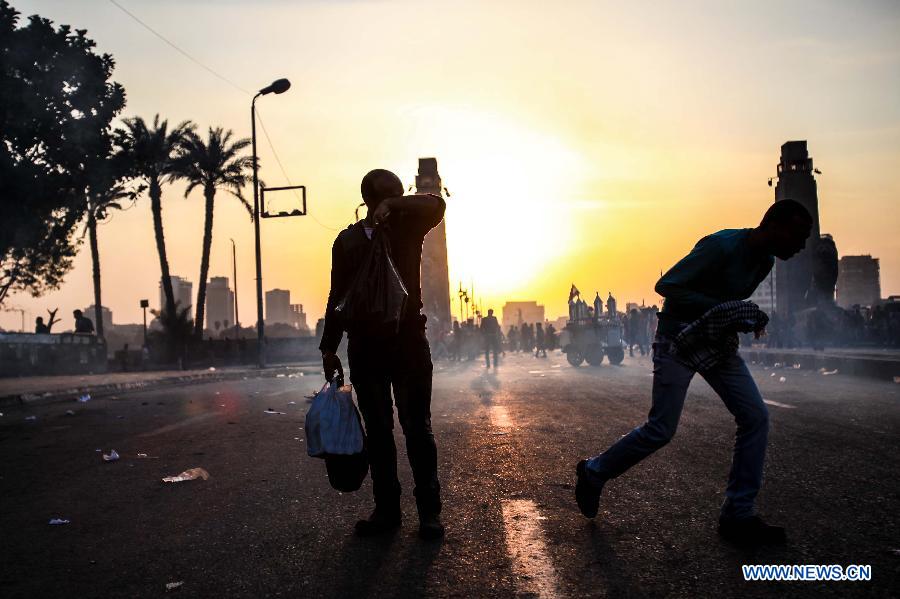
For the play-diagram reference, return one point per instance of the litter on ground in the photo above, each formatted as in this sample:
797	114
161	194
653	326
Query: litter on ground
58	521
192	474
112	456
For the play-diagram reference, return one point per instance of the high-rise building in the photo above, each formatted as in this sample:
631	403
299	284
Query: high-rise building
859	281
435	272
91	313
794	277
298	317
278	306
766	295
182	289
516	313
219	304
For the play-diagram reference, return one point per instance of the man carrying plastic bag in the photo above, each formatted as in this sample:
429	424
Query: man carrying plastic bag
376	298
334	432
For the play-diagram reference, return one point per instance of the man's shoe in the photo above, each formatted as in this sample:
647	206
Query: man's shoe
378	523
751	531
586	494
430	527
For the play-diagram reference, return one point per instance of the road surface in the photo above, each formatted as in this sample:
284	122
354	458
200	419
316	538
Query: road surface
267	524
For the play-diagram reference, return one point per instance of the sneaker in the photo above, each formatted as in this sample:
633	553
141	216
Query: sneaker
430	527
586	494
751	531
379	523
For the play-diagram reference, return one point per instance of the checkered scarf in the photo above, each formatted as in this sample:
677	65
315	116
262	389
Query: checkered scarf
713	337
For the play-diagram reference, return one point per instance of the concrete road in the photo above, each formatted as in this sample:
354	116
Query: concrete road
267	524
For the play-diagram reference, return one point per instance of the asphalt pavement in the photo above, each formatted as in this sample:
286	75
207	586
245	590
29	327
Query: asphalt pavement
266	523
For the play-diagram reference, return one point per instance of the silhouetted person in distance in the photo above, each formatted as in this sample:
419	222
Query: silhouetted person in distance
550	341
490	336
512	338
83	324
539	341
611	306
634	332
39	327
455	342
400	361
724	266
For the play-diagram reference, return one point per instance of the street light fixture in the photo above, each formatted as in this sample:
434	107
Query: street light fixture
279	86
144	305
237	321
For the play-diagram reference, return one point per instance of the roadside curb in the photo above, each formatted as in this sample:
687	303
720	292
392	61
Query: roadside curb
107	389
883	368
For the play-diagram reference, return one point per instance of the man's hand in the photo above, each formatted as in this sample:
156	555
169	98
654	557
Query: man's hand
382	211
330	364
760	333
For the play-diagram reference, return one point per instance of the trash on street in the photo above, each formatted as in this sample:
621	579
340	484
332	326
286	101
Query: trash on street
84	398
192	474
57	521
171	586
112	456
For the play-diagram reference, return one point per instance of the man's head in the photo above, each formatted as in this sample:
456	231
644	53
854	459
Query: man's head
490	311
39	320
77	313
786	226
379	185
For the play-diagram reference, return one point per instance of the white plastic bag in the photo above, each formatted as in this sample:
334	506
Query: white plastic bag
333	425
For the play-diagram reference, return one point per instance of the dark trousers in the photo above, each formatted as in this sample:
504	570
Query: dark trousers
402	364
491	345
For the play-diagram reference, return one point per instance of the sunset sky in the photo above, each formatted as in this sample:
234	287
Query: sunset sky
585	142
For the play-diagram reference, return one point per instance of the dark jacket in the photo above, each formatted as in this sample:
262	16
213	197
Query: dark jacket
406	233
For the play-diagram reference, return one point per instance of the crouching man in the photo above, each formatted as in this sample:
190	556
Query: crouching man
697	332
383	362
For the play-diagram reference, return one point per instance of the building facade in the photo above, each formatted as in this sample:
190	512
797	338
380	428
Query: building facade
298	318
766	295
182	289
793	279
219	304
517	313
435	270
859	281
278	306
91	313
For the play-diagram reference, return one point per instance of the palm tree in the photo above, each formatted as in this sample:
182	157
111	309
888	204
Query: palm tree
149	154
213	164
100	202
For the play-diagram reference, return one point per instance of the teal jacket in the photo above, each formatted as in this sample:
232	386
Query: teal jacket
721	267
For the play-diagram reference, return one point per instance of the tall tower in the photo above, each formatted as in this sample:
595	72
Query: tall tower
794	277
435	273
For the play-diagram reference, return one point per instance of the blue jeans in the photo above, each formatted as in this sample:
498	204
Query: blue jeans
732	381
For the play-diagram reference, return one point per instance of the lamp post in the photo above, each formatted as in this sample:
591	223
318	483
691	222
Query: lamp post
144	305
237	322
279	86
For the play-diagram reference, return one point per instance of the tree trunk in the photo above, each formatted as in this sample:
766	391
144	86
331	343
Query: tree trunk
210	193
156	209
95	263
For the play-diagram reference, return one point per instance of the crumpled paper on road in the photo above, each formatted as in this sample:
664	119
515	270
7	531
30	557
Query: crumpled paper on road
192	474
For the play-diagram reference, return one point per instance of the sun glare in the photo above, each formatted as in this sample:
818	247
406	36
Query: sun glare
508	182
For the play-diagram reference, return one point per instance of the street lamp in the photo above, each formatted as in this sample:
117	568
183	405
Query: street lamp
237	322
144	305
279	86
